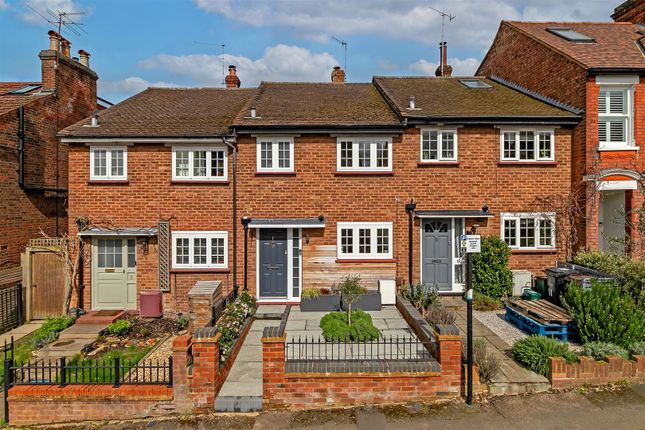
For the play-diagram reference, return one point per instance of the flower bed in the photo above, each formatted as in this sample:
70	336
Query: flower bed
233	320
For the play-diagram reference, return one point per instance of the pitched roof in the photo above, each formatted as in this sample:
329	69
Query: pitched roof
446	98
167	112
9	102
615	43
308	105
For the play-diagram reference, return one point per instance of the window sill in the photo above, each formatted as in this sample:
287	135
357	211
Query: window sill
618	148
527	163
363	173
365	260
188	182
199	270
108	182
438	163
533	251
275	173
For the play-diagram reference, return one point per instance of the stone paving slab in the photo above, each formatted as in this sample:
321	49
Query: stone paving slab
20	331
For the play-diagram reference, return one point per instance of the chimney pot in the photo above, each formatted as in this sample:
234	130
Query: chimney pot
54	41
232	80
444	68
65	45
337	75
84	57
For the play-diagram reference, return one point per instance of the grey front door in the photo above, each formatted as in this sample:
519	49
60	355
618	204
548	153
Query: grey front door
436	243
273	262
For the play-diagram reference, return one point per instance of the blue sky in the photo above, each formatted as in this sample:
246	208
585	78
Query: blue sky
140	43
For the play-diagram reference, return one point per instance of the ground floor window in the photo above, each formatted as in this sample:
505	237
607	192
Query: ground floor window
529	230
200	249
359	240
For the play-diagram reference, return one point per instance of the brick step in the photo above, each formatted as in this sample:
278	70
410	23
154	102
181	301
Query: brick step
238	404
101	317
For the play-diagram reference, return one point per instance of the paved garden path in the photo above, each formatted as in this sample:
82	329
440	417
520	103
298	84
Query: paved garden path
20	331
512	378
71	341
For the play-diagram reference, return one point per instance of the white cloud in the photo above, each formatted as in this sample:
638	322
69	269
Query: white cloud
131	85
3	5
279	63
475	24
466	67
387	65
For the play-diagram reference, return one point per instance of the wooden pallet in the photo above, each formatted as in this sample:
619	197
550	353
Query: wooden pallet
541	311
560	331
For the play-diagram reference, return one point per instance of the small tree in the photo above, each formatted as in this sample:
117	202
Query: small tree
491	275
350	289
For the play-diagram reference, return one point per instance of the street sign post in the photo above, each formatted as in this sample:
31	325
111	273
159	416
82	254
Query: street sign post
470	244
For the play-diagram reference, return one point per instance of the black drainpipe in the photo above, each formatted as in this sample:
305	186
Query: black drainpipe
245	222
21	147
409	208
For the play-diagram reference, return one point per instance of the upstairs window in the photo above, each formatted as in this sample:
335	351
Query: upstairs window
527	145
614	117
200	249
364	240
275	154
364	154
529	231
205	163
438	145
109	163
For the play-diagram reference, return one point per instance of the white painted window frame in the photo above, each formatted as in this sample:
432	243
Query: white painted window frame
440	157
373	140
355	226
536	216
275	157
108	163
192	149
536	133
628	118
191	236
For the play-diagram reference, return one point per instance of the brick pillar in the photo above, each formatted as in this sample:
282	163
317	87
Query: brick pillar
640	368
273	366
180	349
204	386
449	356
558	373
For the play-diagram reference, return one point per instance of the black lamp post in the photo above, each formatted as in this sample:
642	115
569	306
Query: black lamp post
469	321
409	208
245	222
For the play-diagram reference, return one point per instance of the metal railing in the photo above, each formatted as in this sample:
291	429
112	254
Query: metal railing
10	307
114	372
392	348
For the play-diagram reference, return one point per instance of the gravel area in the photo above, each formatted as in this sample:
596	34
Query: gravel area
494	320
159	354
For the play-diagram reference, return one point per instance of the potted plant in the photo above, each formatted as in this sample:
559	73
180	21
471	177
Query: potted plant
354	295
319	300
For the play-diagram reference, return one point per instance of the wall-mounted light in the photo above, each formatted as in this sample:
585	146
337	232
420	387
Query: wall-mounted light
473	228
144	245
307	238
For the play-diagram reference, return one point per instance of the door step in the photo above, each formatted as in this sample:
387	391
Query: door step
101	317
238	404
269	312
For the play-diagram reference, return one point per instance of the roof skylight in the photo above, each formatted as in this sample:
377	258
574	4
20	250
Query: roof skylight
25	89
570	35
474	83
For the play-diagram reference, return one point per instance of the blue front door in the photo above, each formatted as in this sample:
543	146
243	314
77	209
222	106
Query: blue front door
273	262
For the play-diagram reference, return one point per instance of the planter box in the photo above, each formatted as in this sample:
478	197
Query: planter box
322	303
371	301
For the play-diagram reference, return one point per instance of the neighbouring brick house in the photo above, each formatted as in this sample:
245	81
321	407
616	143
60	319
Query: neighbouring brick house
599	70
33	162
322	175
630	11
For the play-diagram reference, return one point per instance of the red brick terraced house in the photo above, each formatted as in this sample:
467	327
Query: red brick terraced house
33	162
598	69
630	11
314	180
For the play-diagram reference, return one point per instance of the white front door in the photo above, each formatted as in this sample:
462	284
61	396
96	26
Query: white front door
611	220
114	273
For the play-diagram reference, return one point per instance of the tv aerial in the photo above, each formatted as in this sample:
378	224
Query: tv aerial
344	44
62	20
222	46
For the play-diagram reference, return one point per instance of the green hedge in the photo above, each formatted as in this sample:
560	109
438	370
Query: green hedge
491	275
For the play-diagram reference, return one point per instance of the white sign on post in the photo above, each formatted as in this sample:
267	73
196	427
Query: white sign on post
471	243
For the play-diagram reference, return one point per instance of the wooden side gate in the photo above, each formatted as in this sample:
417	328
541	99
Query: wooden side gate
44	279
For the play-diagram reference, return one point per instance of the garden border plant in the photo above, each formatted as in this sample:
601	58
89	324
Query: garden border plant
535	352
231	323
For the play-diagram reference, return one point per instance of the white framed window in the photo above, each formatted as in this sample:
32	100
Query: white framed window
275	154
528	230
369	154
364	240
438	145
199	163
615	120
109	163
527	144
200	249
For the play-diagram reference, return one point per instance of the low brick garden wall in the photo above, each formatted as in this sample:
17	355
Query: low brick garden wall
592	372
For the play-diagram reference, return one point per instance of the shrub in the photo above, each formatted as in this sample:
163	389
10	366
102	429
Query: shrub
630	273
637	348
119	328
51	327
336	327
421	296
231	321
350	289
600	350
604	313
437	315
491	275
310	293
488	364
484	303
534	352
182	321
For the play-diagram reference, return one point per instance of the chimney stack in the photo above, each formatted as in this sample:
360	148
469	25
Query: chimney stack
84	57
65	47
444	68
338	75
231	80
54	41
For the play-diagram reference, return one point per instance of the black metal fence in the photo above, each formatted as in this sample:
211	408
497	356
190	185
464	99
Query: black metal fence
10	307
392	348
